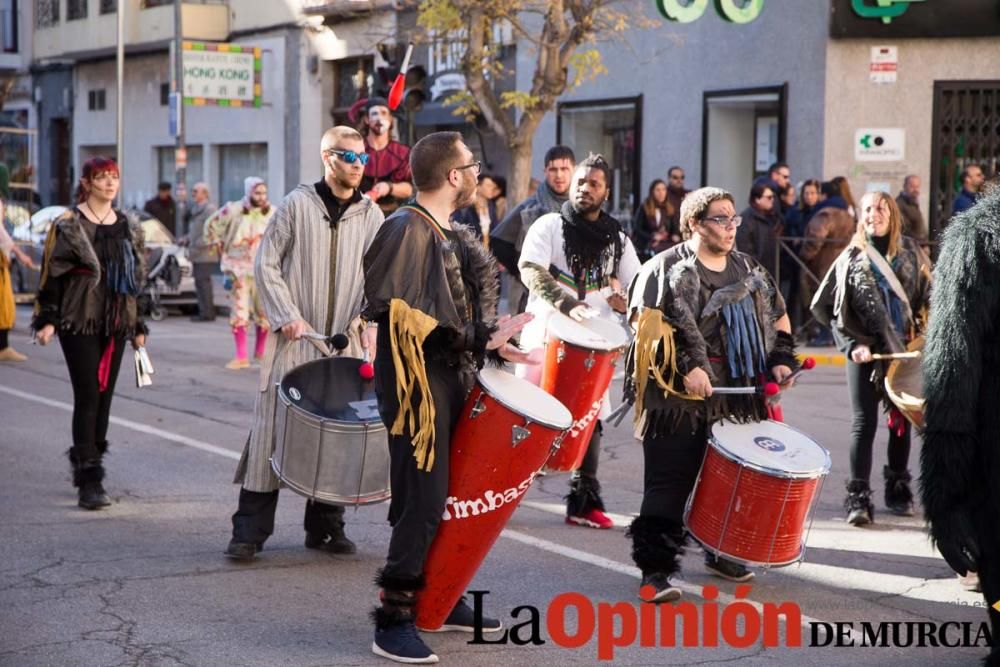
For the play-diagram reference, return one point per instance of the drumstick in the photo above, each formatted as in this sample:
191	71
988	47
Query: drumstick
915	354
769	389
807	365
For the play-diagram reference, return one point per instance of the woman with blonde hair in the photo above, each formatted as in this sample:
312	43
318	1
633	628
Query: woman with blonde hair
8	313
880	284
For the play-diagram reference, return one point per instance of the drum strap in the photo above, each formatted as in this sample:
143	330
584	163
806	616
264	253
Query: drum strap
652	333
408	328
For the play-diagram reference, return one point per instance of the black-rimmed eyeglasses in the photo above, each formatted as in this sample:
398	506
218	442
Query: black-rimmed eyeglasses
477	165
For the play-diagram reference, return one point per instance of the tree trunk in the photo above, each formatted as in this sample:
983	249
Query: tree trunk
520	174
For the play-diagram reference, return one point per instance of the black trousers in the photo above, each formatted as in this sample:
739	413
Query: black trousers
588	467
418	496
91	406
254	518
865	404
203	287
671	462
4	340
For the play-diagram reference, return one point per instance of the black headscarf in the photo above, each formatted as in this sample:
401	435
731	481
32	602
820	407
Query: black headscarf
589	245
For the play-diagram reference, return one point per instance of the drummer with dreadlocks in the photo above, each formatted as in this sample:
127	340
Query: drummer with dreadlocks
576	262
705	315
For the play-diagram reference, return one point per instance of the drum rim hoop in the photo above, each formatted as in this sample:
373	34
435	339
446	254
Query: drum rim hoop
744	561
282	397
815	473
610	348
518	410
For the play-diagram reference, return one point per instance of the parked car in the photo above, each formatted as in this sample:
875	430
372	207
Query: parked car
169	267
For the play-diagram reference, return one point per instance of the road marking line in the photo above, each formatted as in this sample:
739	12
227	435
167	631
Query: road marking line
135	426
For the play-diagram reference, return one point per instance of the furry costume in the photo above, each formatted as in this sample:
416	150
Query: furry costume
434	294
728	332
960	460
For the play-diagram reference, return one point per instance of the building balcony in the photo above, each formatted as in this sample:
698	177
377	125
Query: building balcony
149	24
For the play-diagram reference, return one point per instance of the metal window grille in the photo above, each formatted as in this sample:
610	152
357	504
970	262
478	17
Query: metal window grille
47	13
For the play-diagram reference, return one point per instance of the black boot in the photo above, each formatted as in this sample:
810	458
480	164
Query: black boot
92	494
334	541
858	503
898	496
396	637
657	547
324	526
584	506
74	465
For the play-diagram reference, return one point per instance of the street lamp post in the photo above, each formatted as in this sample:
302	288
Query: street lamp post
180	152
120	111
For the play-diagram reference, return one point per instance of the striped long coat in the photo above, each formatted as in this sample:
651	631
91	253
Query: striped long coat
292	272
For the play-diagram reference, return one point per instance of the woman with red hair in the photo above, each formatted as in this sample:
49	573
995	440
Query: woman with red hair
93	268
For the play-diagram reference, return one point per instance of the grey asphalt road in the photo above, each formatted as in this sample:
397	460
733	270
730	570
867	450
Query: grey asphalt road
145	582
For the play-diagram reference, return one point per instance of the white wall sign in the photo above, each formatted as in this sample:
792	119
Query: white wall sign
879	144
884	63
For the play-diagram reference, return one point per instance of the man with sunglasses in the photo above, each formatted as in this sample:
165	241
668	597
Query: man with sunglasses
432	288
308	275
387	166
705	315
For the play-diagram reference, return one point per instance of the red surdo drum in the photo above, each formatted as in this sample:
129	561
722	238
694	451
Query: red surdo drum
579	364
507	430
755	492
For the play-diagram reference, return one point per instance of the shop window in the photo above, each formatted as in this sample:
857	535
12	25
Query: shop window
611	128
743	133
167	171
237	162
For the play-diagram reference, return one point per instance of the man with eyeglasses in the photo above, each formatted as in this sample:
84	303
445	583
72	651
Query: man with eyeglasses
779	177
309	278
578	262
705	315
387	169
432	288
762	226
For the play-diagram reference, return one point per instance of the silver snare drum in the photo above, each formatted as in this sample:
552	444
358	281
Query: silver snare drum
330	443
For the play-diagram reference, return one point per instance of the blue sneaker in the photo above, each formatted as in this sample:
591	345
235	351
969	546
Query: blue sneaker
462	619
401	643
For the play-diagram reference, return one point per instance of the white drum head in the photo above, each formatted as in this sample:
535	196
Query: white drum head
526	399
593	334
772	447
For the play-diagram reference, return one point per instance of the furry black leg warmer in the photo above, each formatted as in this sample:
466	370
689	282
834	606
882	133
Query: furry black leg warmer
398	598
657	544
584	496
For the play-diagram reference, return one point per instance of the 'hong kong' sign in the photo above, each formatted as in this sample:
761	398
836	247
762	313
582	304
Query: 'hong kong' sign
730	10
225	75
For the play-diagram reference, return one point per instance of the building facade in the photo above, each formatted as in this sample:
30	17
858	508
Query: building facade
805	81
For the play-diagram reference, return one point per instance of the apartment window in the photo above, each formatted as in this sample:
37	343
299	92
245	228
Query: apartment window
353	80
155	3
8	26
164	94
48	13
109	6
76	9
96	100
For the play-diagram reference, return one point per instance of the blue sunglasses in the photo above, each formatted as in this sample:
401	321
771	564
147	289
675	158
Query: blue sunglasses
350	156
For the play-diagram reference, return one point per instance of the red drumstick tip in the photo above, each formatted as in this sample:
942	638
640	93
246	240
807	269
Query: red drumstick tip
808	364
771	389
366	371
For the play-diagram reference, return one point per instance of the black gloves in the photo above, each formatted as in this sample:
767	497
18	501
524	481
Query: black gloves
783	353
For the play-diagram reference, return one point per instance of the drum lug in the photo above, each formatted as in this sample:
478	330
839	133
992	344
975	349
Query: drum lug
478	408
589	362
560	353
518	434
557	443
